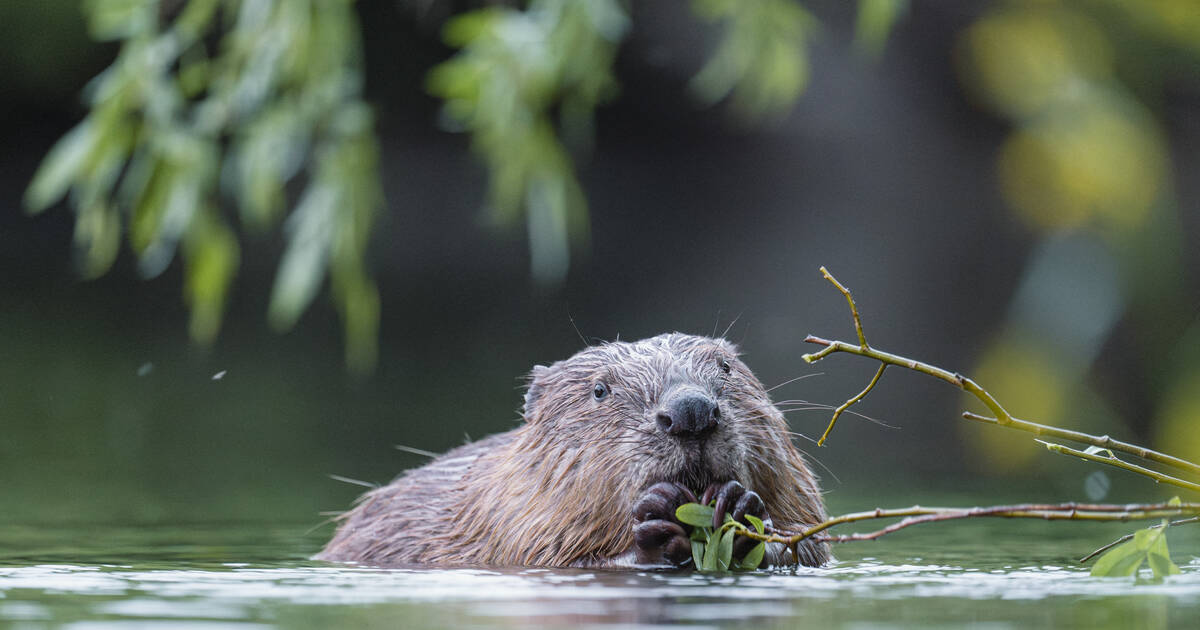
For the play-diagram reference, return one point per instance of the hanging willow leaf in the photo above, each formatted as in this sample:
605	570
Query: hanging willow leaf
247	102
309	229
761	62
514	71
211	254
61	167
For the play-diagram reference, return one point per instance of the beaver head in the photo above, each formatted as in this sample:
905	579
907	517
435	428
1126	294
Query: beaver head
603	426
671	408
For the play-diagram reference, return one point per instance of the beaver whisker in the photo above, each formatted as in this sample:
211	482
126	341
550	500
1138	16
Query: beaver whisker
793	380
804	405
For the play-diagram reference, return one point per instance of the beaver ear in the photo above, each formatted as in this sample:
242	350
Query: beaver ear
534	392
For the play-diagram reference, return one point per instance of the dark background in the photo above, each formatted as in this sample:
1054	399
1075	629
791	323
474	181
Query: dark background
884	172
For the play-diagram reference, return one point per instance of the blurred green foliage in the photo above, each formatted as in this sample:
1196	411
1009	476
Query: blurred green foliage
244	96
875	21
241	96
761	63
1087	168
516	69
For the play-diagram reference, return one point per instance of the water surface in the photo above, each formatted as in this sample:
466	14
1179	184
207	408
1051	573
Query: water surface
242	576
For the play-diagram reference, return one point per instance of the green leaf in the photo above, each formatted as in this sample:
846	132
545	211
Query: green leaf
1148	539
754	557
697	553
1120	561
117	19
302	269
467	27
1096	450
725	557
711	557
211	254
1175	501
98	237
358	300
756	522
1159	557
60	168
1162	565
1147	545
694	514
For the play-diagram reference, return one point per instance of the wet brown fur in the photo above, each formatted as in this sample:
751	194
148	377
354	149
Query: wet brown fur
559	489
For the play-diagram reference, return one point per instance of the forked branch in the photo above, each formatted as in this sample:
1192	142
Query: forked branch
1001	416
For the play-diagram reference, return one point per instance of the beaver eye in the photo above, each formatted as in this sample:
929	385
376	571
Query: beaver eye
725	366
600	391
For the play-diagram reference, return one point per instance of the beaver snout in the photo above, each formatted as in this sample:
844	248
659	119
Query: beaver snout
689	415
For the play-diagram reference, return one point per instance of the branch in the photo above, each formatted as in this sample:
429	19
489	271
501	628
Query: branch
958	380
1001	415
846	405
916	515
1112	460
862	337
1194	519
1102	441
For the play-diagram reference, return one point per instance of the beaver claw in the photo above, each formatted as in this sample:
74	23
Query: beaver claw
659	537
743	502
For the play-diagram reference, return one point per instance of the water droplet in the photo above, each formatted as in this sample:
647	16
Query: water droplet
1096	485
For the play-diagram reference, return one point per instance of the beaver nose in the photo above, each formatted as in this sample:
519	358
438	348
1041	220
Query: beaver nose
689	416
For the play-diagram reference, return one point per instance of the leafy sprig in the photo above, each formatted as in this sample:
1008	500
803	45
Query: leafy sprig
1145	546
712	549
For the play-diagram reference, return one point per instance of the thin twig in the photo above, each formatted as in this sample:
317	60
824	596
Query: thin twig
1112	460
958	380
846	405
862	337
1102	441
1182	521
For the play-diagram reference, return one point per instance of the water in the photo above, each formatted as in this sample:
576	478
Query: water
245	576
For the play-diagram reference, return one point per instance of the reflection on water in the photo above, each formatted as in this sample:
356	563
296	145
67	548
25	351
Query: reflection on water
1002	574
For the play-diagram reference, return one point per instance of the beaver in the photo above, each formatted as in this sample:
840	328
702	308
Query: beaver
613	440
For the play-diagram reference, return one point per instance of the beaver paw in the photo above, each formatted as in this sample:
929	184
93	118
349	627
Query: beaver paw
732	497
659	537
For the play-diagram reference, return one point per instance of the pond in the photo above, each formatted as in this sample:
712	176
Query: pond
249	575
